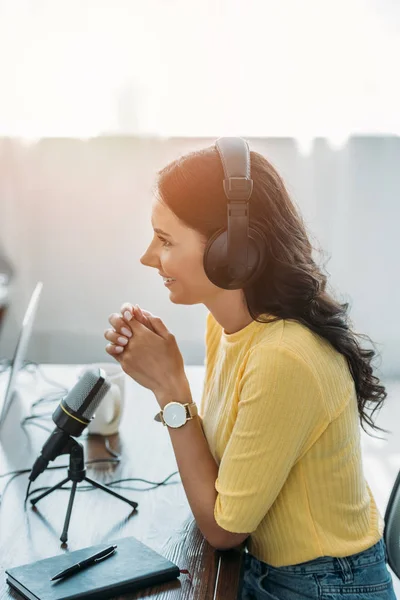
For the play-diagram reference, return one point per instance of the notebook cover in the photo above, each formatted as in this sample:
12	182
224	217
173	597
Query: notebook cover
133	566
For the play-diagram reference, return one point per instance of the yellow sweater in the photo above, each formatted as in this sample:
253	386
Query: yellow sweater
279	412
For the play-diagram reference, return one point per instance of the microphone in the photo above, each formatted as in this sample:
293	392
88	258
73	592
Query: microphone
72	415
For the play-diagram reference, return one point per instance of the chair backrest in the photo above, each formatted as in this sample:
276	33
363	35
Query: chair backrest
391	532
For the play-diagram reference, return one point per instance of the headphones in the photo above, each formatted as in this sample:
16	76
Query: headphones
235	257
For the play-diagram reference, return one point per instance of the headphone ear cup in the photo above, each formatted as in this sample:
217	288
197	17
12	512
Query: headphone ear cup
215	259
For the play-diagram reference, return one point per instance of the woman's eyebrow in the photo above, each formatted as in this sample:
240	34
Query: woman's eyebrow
162	232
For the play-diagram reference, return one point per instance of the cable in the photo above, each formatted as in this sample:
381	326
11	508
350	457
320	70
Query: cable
38	367
89	462
27	491
27	421
49	398
6	363
88	488
154	484
32	420
37	425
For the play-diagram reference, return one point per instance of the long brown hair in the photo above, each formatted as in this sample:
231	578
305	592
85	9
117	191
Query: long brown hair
292	286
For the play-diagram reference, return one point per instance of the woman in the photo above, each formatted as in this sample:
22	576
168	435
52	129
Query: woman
274	459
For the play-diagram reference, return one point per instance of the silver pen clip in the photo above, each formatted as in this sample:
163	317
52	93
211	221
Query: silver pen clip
106	556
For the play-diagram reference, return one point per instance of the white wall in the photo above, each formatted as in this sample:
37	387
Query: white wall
76	215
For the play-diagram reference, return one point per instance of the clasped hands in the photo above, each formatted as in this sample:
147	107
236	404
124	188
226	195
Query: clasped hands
146	350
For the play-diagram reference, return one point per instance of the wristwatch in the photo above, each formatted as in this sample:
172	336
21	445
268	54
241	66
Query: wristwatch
175	414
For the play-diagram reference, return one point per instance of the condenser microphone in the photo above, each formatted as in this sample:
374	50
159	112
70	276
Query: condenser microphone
72	415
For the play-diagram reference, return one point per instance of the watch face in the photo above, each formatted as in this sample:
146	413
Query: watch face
174	414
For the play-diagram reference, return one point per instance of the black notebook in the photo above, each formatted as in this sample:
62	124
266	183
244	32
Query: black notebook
133	566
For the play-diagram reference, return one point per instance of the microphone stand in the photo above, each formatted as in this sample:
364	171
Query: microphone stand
77	473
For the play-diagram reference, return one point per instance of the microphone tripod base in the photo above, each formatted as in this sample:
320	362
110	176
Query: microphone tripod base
77	473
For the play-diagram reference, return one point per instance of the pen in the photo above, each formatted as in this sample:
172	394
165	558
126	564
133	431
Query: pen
86	562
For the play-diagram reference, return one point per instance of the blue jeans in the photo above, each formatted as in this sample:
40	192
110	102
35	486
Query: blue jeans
361	576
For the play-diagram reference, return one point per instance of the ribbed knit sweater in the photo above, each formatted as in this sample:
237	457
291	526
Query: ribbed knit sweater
279	412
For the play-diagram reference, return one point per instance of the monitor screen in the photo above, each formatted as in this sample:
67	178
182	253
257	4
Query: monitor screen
20	350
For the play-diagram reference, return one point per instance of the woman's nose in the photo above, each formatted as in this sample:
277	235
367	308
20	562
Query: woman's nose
148	259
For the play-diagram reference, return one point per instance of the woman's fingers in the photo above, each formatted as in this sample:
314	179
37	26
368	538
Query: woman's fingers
113	350
144	317
115	337
127	310
120	325
118	342
127	307
120	334
138	314
120	322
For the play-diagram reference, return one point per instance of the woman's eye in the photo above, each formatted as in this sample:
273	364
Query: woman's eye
165	242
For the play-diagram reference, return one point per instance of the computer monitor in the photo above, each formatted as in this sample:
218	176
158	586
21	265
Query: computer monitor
20	349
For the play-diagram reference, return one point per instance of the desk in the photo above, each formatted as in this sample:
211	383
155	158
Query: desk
163	519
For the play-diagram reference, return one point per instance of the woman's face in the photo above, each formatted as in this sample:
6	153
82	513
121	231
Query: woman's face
178	255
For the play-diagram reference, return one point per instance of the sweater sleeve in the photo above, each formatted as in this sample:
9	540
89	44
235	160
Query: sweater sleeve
280	414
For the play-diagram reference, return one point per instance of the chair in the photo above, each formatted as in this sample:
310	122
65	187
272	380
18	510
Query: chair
391	532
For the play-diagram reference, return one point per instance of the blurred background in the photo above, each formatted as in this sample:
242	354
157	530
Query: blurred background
97	95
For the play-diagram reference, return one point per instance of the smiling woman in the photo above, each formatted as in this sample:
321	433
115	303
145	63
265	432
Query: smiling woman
291	286
293	378
277	460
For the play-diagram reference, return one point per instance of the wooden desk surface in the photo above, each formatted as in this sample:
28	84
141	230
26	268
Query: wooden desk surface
163	519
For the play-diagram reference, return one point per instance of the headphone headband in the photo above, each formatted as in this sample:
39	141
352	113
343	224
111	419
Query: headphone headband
235	157
234	257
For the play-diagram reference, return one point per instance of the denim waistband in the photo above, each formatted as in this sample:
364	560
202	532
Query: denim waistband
371	555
